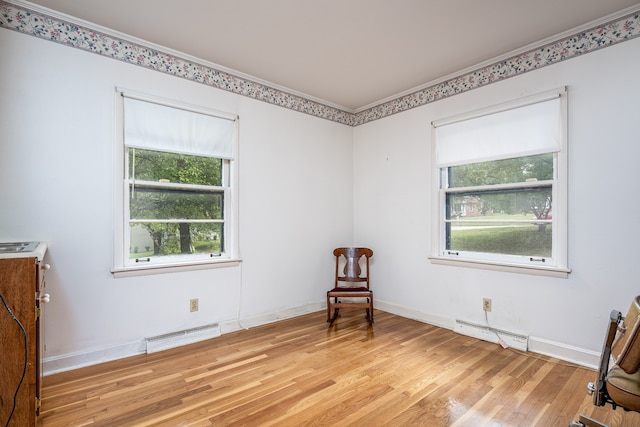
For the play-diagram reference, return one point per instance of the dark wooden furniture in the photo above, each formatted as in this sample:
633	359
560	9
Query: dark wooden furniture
618	385
351	287
21	282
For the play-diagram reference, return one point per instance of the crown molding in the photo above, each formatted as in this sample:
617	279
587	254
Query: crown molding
178	54
609	31
47	24
593	25
37	21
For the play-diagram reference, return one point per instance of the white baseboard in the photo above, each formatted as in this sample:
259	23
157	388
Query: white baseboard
180	338
486	333
441	321
70	361
247	322
579	356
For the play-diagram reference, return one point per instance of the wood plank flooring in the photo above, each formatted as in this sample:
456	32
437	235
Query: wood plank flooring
300	372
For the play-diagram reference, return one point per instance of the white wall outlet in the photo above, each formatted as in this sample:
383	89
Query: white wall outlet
193	305
486	304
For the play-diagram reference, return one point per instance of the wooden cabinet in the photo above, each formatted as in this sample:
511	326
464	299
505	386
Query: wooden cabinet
21	288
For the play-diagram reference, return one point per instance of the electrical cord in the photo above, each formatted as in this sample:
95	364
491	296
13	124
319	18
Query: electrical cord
524	353
500	340
26	351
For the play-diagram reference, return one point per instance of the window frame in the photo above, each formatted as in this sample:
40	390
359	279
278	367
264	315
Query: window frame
123	266
556	266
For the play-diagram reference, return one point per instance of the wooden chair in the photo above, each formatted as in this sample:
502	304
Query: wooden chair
351	287
620	384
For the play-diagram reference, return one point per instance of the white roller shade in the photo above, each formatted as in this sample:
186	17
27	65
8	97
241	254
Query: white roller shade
513	132
153	126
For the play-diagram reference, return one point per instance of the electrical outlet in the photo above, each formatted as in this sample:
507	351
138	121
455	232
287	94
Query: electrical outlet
486	304
193	304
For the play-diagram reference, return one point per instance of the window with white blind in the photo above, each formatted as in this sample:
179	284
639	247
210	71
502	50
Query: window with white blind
177	191
500	193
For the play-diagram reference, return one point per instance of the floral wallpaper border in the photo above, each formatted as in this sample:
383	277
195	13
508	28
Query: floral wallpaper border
24	20
619	30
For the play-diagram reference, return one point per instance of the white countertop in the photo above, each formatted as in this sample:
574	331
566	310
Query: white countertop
38	252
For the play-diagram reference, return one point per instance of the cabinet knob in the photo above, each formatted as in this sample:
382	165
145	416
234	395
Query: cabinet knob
45	298
46	266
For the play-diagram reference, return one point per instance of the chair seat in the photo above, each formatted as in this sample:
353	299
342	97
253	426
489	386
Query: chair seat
346	289
624	388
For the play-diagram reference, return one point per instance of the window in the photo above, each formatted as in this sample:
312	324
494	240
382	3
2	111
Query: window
177	185
500	187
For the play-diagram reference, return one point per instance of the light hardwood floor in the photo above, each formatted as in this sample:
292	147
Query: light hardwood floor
300	372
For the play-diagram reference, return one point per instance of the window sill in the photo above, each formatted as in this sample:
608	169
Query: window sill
145	270
561	273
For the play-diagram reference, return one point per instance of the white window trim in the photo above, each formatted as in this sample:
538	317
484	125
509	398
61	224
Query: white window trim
559	195
120	267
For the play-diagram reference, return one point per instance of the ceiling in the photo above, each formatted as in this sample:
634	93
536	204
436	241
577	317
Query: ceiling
348	53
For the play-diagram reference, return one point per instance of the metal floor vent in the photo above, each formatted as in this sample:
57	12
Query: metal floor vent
187	336
486	333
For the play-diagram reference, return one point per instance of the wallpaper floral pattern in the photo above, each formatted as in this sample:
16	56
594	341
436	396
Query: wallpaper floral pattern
24	20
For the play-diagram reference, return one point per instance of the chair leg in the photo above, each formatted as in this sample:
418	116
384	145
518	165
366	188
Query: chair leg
370	315
328	307
335	315
330	318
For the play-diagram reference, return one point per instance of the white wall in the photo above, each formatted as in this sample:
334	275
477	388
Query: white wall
298	175
566	317
56	157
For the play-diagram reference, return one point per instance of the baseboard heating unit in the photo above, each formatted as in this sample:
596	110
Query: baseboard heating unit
187	336
486	333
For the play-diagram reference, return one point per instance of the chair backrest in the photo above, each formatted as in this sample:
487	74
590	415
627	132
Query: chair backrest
352	272
626	347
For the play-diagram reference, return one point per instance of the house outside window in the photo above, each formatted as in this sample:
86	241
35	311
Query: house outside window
177	186
500	193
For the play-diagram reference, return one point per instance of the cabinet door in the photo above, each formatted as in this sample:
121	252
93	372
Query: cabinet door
17	340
